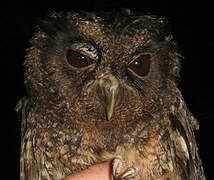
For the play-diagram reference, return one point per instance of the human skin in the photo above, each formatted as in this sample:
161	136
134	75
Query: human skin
95	172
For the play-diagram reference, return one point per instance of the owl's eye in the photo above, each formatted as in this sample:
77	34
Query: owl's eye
140	66
79	61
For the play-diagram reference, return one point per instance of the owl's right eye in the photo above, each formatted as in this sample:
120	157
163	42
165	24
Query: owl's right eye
140	66
79	61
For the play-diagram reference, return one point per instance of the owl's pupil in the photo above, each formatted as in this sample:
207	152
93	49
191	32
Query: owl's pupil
138	63
83	58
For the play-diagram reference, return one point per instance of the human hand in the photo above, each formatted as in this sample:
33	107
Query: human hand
95	172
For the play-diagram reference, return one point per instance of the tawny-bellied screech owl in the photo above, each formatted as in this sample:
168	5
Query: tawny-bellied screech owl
102	87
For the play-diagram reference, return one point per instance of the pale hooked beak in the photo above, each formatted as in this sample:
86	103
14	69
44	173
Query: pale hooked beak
109	85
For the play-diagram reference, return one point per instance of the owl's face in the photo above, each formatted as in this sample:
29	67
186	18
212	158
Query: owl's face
104	66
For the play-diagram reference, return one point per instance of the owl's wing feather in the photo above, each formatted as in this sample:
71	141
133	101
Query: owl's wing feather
182	121
23	107
26	170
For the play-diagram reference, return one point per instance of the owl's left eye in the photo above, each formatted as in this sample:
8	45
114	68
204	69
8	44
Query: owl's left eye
140	66
79	61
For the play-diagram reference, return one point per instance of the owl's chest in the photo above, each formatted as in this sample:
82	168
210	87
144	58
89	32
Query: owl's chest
138	144
79	147
107	136
105	141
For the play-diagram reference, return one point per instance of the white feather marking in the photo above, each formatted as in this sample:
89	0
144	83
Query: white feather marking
184	147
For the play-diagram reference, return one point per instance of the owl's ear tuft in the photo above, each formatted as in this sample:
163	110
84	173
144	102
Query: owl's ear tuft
126	11
54	23
174	65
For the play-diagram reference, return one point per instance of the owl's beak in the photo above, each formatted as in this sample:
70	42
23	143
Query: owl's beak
110	85
111	100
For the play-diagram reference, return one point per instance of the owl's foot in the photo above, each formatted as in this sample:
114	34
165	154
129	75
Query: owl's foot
121	172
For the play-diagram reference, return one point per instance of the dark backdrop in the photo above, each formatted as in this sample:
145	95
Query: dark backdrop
191	25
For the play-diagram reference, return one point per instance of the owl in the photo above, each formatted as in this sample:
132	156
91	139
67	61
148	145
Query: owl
102	86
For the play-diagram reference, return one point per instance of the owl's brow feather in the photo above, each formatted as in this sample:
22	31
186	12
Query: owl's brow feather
128	25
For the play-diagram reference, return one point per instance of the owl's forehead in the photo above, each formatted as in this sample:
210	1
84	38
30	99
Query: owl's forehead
119	35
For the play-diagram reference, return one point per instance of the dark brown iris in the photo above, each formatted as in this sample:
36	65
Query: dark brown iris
78	60
140	66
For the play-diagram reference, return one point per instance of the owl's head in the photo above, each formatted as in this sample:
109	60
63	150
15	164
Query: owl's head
106	65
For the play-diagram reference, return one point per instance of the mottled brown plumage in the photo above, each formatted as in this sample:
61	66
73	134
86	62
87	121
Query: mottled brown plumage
103	85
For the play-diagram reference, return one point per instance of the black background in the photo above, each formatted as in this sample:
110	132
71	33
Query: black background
191	25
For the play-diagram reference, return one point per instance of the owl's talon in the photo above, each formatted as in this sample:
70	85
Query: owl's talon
133	172
117	162
118	165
